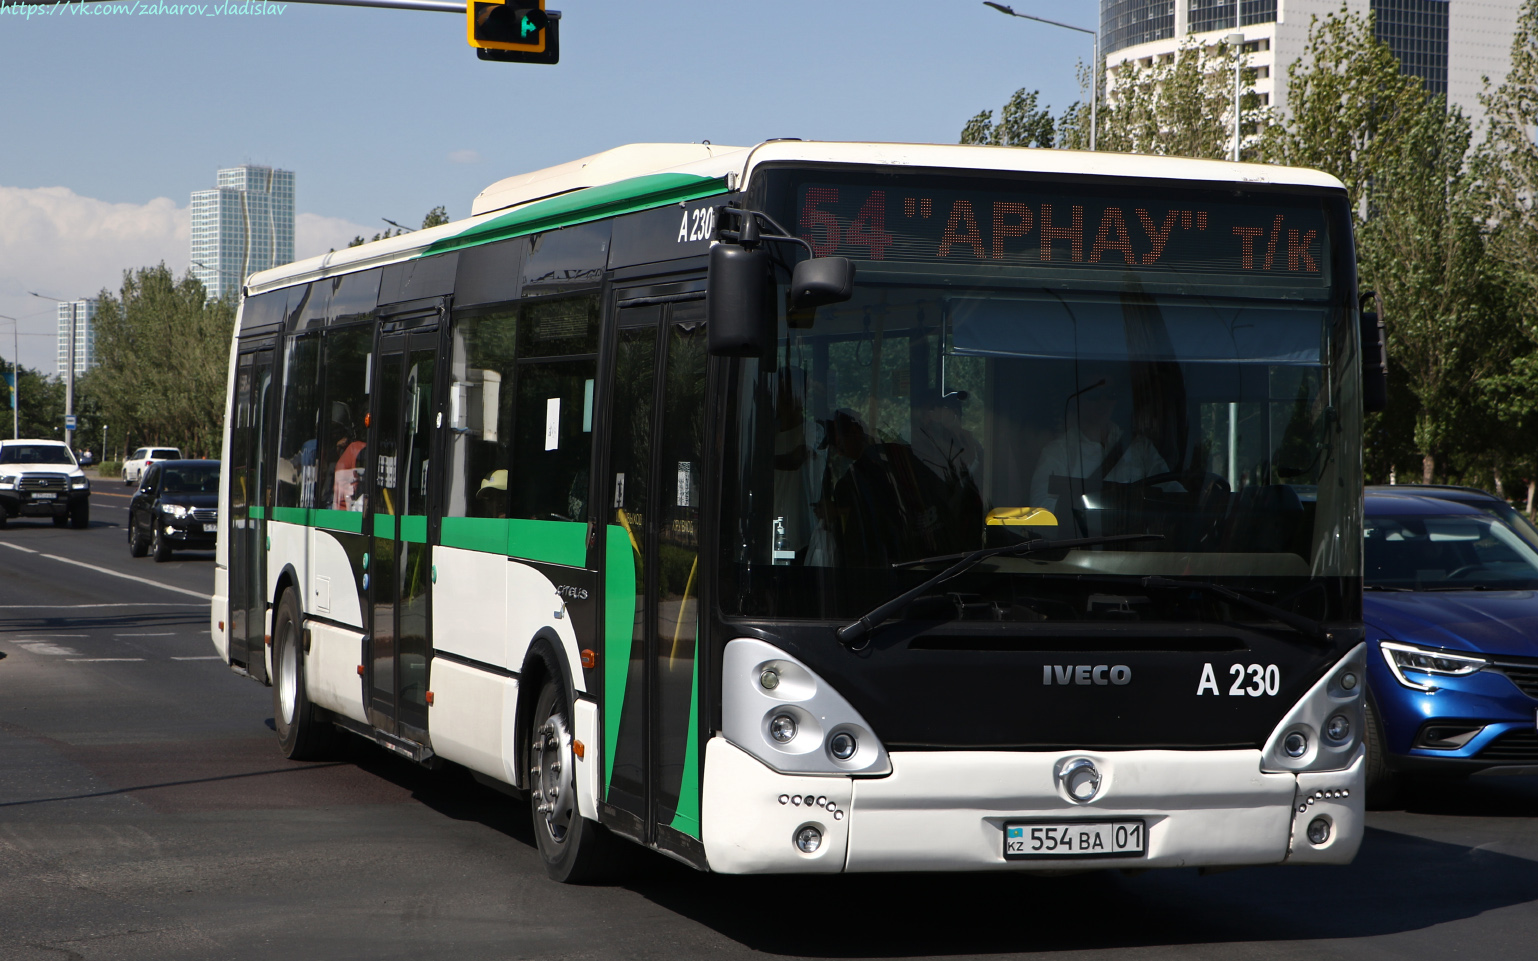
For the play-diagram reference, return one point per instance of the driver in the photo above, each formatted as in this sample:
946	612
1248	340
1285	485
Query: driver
1094	446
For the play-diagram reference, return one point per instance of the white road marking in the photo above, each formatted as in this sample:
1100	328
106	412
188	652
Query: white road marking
166	634
32	634
202	657
109	571
101	660
71	607
47	647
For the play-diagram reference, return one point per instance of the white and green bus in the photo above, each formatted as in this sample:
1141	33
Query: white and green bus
820	507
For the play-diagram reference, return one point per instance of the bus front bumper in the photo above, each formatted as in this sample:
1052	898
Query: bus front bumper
947	811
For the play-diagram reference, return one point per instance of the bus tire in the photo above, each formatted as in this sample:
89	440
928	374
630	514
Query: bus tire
302	734
1384	785
575	850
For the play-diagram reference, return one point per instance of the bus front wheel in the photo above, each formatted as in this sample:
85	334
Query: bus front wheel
303	734
575	849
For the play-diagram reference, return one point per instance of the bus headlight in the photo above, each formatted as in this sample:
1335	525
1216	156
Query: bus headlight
778	710
1323	731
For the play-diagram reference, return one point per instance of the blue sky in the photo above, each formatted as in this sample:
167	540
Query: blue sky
110	121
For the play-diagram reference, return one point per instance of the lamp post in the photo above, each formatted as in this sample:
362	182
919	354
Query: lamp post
69	377
1236	40
1094	99
15	376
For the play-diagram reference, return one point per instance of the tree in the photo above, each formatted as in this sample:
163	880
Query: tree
435	217
163	350
1021	124
42	406
1181	105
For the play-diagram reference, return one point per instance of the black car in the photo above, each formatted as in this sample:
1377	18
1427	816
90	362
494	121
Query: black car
175	508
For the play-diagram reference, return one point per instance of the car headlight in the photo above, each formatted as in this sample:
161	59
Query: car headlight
1426	660
8	481
80	483
175	510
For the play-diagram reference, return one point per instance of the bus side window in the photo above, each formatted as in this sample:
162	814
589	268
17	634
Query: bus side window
297	437
343	470
552	434
480	408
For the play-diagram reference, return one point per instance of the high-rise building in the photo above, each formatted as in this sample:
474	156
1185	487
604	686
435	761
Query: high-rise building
82	315
243	225
1451	44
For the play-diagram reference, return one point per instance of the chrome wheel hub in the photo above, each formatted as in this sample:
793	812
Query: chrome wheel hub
288	675
551	789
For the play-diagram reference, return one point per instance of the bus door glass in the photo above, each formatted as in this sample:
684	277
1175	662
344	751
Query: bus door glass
250	500
652	573
399	563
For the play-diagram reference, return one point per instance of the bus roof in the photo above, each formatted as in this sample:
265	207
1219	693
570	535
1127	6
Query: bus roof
641	176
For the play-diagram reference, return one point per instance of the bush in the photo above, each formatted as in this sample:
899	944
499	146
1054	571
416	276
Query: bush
110	468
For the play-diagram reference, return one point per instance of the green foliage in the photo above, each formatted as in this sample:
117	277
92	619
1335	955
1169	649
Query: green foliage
110	468
435	217
1021	124
1180	106
163	350
42	406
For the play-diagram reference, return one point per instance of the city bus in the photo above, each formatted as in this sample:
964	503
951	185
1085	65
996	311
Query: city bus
828	507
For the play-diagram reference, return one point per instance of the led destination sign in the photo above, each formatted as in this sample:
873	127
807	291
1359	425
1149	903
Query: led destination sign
1069	227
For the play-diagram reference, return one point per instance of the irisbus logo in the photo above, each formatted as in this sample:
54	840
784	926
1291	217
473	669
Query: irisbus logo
1086	674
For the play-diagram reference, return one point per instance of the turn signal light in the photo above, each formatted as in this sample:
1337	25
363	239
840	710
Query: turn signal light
360	670
578	748
429	698
589	658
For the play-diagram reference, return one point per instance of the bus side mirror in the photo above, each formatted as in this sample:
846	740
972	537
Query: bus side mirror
820	281
738	325
1374	364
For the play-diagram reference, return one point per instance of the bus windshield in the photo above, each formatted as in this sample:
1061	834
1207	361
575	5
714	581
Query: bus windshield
947	408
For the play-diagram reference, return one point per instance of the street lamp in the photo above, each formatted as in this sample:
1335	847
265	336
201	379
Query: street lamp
69	377
15	376
1236	40
1094	99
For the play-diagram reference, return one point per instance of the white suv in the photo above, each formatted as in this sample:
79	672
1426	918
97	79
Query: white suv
39	478
133	467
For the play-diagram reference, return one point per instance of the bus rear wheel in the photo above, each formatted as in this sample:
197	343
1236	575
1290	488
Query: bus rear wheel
575	849
303	734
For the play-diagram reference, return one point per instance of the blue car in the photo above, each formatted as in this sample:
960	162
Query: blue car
1451	607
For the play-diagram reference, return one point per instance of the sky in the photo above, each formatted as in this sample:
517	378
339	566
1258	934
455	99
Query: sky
109	121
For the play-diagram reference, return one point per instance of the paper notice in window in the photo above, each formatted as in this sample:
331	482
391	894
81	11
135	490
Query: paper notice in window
553	423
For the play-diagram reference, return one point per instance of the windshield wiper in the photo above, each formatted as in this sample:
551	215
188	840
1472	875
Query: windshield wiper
853	632
1303	625
1385	587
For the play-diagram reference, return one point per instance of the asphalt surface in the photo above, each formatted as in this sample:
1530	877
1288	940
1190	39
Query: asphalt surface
145	812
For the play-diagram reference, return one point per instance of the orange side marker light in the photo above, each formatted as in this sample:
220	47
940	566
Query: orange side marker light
580	749
429	698
360	670
589	658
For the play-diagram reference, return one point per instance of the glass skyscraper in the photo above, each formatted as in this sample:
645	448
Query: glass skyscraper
243	225
81	313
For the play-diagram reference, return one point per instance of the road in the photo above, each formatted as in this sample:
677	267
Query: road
145	813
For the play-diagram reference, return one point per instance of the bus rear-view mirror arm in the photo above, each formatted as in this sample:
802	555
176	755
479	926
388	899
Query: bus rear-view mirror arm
738	305
1374	359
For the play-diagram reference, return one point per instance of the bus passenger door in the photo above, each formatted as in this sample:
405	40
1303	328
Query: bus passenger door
399	565
250	499
652	571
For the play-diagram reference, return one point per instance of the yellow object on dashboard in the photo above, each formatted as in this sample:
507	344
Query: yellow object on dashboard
1021	516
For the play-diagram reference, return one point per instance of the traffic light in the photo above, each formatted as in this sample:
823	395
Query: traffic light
520	31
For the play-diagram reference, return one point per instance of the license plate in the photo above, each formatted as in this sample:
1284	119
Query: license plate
210	528
44	497
1075	839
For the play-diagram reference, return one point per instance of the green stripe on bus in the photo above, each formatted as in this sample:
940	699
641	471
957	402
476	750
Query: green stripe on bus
292	515
257	513
619	598
582	206
555	542
414	528
485	534
349	521
384	525
686	817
